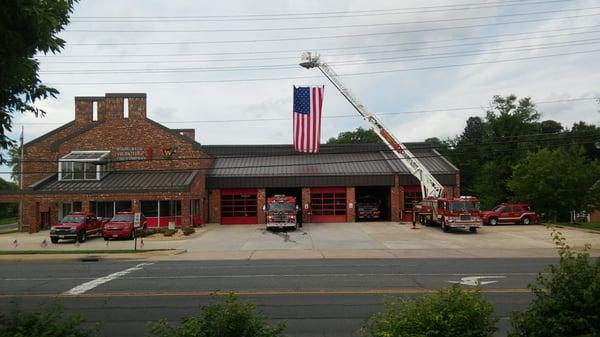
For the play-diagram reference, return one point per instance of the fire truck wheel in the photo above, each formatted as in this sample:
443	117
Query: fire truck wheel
526	221
445	227
473	229
493	221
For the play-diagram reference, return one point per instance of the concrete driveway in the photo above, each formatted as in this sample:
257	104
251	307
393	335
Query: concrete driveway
379	239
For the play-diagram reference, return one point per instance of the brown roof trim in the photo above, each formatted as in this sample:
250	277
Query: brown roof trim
54	147
126	94
174	132
50	133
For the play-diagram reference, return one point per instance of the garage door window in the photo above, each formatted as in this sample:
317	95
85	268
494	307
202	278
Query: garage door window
238	205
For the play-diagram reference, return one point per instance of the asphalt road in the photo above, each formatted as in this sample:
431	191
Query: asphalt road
314	297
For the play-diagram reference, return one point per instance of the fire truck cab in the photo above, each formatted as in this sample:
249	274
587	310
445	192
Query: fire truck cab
463	212
281	212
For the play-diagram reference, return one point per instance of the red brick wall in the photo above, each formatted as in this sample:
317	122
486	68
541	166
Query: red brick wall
305	201
350	199
214	203
395	200
261	200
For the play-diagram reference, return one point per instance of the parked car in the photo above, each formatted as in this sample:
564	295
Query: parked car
510	214
123	225
76	226
368	207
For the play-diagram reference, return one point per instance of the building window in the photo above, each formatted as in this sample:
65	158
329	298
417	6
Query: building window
83	165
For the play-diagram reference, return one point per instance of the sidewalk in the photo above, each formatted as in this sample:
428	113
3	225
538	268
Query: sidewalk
323	241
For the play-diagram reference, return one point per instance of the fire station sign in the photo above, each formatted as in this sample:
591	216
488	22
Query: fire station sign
133	153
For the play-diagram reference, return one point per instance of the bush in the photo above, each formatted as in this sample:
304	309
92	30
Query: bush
169	232
188	230
450	312
566	299
230	318
149	232
48	322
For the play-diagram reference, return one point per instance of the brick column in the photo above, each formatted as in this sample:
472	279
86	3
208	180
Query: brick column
350	199
457	185
261	200
395	200
186	221
305	201
449	191
136	206
214	203
400	202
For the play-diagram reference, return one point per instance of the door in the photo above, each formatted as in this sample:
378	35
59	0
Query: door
44	220
328	204
239	206
504	214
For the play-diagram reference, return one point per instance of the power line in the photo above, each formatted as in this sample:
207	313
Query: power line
320	37
341	116
346	74
298	51
333	162
489	51
310	27
313	15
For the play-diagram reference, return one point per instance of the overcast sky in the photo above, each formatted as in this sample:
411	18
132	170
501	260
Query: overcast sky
416	63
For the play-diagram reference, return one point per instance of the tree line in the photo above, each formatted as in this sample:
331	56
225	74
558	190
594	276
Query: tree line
513	155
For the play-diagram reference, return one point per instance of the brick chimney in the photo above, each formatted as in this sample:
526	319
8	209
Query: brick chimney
189	133
84	108
115	105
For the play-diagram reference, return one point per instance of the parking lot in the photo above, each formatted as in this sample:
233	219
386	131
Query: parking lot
340	240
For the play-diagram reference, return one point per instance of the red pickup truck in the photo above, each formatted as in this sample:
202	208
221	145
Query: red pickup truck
510	214
76	226
122	225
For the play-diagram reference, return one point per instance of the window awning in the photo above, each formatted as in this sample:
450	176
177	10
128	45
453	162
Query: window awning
87	156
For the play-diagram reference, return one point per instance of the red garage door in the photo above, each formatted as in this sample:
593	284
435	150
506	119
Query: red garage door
238	206
328	204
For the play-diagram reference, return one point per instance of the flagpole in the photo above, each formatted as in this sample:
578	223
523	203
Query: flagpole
21	179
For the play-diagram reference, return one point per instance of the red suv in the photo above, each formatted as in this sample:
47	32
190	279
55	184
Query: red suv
510	214
122	225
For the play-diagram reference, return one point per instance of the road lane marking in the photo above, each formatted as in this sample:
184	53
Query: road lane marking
82	288
476	280
283	292
259	276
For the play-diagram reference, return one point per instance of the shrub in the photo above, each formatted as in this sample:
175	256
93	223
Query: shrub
149	232
188	230
51	321
450	312
230	318
169	232
566	299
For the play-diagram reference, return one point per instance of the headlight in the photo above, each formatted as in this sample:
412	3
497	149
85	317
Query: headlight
52	229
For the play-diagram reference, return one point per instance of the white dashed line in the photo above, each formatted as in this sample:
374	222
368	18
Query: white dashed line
82	288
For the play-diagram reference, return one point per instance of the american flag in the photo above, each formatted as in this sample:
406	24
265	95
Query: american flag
308	102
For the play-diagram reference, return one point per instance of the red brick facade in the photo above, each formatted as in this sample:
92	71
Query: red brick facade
109	129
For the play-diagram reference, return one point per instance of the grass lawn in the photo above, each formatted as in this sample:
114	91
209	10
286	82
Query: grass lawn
7	221
595	226
89	252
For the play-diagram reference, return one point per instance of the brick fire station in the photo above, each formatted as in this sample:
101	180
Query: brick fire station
113	158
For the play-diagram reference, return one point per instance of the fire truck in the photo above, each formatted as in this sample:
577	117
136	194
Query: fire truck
281	212
432	190
448	213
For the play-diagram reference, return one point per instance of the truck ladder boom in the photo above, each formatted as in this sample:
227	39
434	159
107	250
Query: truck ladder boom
429	185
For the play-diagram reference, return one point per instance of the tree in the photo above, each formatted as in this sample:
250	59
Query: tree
550	126
450	312
230	318
27	28
555	181
14	154
360	136
566	299
51	321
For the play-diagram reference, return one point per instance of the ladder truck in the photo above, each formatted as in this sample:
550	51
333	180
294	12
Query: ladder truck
460	212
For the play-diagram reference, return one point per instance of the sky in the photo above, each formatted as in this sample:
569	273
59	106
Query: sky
227	68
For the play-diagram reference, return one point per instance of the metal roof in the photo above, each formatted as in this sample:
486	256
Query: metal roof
86	156
121	182
353	161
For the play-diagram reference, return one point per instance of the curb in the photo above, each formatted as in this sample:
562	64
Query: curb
89	257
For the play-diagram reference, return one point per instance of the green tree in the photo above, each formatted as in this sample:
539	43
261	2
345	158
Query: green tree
450	312
230	318
359	136
566	298
555	180
48	322
14	155
27	27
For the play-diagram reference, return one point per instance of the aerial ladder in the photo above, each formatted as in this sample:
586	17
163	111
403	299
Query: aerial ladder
430	187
